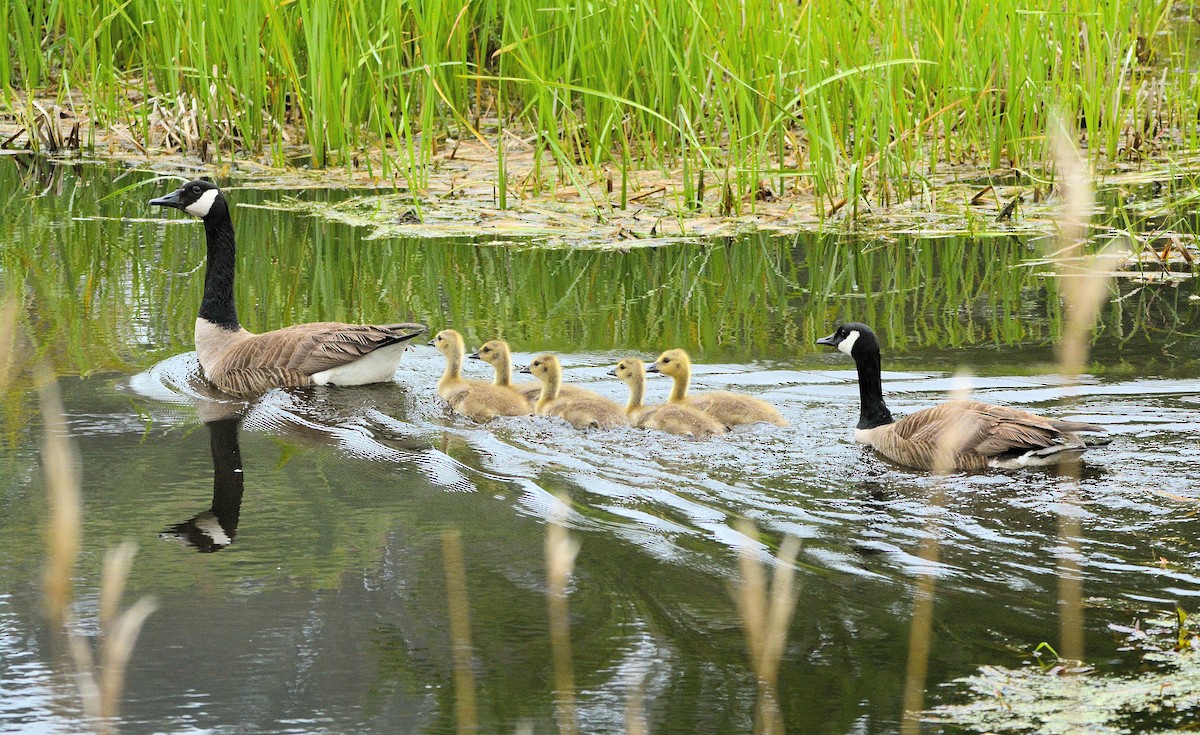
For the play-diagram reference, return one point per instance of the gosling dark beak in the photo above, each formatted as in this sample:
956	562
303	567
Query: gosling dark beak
832	340
170	200
613	372
525	371
430	343
653	368
474	356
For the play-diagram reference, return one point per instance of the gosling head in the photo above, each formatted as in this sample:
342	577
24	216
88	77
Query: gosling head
447	340
198	198
672	363
854	339
491	352
543	366
628	370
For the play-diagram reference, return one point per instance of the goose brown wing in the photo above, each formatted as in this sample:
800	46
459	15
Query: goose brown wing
972	432
311	348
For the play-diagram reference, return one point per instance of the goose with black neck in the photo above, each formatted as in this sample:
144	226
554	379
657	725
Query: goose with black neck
243	363
956	435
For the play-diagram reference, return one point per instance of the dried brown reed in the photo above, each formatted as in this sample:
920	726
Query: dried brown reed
920	634
100	674
561	550
766	612
1083	293
466	714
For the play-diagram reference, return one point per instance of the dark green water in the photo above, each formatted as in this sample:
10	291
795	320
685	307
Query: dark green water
328	610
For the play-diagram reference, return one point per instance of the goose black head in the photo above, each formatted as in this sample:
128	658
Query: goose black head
854	339
199	198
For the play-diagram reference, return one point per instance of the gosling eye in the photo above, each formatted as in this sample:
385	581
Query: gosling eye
666	360
487	349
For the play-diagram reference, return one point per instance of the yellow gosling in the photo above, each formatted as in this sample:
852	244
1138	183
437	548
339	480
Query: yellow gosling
581	411
731	409
673	418
477	400
498	354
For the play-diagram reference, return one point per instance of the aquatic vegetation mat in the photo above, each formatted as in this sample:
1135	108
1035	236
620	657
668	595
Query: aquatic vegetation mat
1063	699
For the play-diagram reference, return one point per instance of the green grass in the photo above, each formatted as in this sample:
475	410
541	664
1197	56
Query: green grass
850	98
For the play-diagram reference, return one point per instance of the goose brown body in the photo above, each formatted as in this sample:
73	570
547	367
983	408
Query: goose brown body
673	418
731	409
243	363
970	435
478	400
957	435
586	410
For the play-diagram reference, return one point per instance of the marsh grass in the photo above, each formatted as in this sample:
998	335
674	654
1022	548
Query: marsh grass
99	672
853	104
561	551
458	608
1083	295
920	635
766	610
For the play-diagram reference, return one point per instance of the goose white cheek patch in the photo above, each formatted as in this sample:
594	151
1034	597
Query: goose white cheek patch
848	343
200	207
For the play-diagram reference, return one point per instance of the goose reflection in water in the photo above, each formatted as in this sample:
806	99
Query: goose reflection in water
215	528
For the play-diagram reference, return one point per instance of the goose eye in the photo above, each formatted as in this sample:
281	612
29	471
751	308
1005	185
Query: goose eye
195	189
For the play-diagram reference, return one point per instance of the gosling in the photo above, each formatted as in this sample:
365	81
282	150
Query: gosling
673	418
581	411
730	409
478	400
497	354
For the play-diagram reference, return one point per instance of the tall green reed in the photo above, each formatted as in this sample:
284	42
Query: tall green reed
861	101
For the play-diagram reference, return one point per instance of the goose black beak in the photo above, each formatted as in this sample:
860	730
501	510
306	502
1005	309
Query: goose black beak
831	340
525	371
170	200
653	368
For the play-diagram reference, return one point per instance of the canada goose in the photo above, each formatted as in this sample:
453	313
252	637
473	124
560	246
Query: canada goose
581	411
476	399
957	435
242	363
497	354
730	409
673	418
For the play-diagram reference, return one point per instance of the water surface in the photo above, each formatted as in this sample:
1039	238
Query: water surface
322	605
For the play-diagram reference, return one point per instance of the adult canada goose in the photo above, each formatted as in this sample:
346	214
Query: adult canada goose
497	354
730	409
673	418
581	411
957	435
242	363
476	399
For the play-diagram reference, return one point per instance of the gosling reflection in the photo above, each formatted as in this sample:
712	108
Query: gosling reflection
214	529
